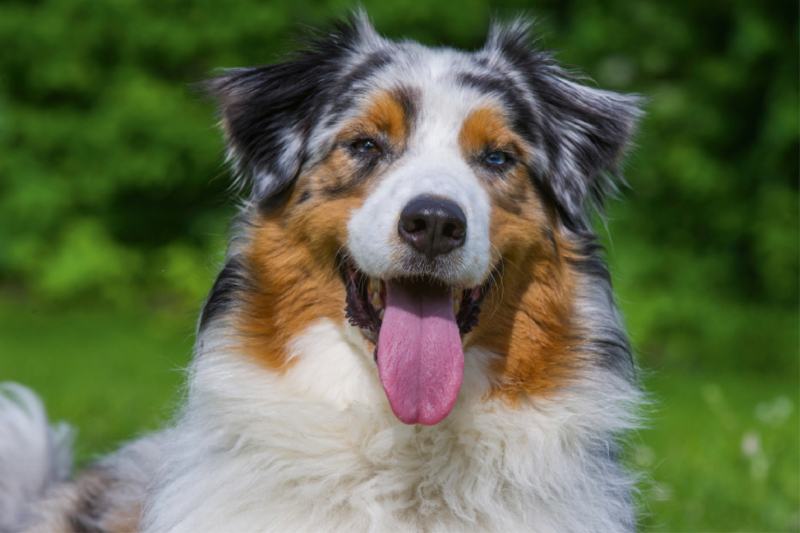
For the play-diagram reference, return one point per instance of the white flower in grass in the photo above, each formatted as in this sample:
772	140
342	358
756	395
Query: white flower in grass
751	444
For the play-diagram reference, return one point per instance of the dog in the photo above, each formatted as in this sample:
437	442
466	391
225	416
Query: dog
414	328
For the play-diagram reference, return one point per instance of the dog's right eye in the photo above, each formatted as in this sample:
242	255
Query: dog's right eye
366	146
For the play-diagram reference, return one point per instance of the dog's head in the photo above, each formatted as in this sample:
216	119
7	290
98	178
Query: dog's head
436	182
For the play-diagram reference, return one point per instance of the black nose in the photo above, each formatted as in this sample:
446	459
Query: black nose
433	225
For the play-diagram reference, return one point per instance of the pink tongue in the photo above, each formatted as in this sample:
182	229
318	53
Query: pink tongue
420	357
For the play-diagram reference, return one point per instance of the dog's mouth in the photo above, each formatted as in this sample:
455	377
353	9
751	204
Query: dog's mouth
417	326
366	301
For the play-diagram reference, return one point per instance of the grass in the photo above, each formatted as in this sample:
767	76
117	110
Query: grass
722	451
111	375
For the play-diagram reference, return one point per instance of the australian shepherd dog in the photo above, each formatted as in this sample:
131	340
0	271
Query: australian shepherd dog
414	329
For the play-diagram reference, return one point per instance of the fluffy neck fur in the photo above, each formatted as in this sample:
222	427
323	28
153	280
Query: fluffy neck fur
318	449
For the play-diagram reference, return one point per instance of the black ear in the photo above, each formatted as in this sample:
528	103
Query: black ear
583	132
268	112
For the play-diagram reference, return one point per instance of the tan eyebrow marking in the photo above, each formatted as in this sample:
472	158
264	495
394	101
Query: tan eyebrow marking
484	127
389	114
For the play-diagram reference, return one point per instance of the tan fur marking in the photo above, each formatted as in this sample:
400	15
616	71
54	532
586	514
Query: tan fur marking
388	116
527	317
384	118
293	257
484	128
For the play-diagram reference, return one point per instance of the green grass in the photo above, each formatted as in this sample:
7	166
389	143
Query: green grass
111	375
722	452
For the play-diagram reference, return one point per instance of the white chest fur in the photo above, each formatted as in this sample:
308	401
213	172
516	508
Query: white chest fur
318	449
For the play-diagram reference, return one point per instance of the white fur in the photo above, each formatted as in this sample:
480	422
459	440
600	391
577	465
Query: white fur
257	452
33	455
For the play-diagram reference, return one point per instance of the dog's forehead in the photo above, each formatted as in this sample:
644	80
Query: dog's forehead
436	83
442	77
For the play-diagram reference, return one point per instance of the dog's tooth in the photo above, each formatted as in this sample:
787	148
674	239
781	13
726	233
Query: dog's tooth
456	305
375	285
381	313
377	303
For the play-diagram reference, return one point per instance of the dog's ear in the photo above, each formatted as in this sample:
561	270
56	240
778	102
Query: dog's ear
267	113
583	131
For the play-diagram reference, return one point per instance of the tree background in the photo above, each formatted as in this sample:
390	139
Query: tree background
113	196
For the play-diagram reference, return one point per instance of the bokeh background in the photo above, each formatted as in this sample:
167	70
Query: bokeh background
114	205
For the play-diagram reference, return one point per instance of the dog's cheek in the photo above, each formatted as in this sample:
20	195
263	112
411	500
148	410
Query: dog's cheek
520	224
320	221
324	227
526	318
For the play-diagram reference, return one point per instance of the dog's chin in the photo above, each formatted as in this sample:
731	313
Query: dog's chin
367	298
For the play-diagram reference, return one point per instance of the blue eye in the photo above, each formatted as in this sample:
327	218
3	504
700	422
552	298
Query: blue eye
496	158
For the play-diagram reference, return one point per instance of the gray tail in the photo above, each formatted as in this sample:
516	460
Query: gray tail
33	454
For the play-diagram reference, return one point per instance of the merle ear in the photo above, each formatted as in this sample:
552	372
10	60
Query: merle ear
587	132
267	113
584	131
265	117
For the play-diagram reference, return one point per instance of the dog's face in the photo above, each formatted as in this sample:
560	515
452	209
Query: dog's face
411	187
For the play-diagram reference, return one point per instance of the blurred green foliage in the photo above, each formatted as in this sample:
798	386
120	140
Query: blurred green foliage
112	189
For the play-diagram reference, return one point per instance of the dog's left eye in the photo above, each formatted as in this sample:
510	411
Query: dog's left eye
497	158
366	146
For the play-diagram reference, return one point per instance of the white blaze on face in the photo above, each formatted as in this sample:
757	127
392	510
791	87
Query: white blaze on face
432	164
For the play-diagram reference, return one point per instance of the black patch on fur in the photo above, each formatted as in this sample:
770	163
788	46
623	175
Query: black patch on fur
270	204
232	279
347	184
341	186
524	121
408	99
609	342
594	265
304	197
347	88
547	193
269	111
